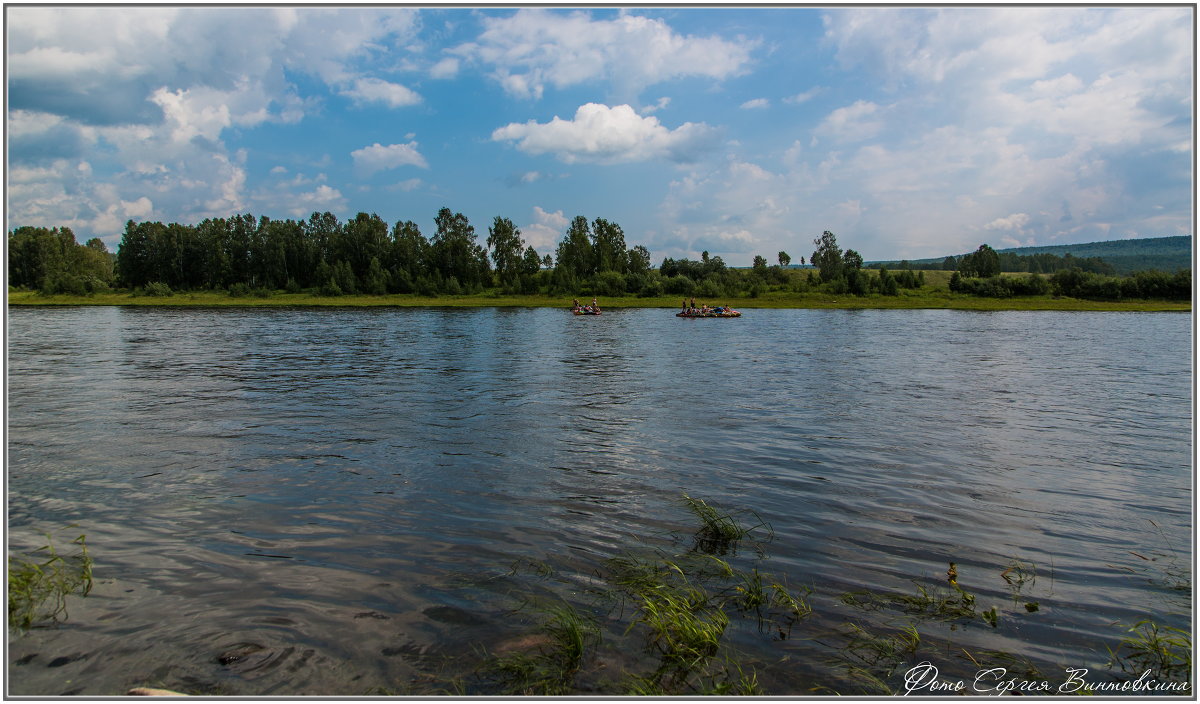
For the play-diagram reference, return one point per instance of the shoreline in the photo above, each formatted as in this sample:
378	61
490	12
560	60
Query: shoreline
935	300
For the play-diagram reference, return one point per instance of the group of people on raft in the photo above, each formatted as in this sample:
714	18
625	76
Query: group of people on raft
691	311
593	309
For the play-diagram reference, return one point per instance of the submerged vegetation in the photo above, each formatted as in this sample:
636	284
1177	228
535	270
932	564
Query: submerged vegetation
696	620
696	617
39	583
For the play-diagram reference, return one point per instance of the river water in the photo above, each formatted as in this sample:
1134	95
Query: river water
355	501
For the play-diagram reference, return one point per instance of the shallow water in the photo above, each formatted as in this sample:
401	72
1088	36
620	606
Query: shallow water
293	501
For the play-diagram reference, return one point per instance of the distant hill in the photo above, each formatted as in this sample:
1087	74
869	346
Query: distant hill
1125	256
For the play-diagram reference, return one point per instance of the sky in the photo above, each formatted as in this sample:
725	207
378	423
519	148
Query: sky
907	132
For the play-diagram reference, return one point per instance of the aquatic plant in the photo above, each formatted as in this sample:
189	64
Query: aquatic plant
881	652
719	531
938	604
1164	651
38	584
550	669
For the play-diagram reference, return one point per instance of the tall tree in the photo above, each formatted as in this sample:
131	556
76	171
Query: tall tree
574	256
608	246
455	251
827	257
784	259
364	238
134	255
504	239
983	262
410	257
639	259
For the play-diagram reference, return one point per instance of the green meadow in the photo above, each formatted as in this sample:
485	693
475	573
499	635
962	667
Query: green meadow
928	297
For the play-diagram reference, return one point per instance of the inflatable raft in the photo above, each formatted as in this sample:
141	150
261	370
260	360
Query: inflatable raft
711	314
584	311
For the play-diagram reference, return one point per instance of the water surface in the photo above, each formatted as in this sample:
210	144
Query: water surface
292	501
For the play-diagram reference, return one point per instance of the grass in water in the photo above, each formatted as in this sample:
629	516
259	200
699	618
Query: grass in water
946	605
687	610
1164	651
38	583
719	532
551	669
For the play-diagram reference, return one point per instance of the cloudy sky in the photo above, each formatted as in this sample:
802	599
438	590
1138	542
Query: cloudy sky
907	132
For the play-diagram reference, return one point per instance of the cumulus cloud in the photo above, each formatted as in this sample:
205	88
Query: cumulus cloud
377	157
158	88
545	231
605	135
375	90
446	68
756	104
852	123
534	48
1016	221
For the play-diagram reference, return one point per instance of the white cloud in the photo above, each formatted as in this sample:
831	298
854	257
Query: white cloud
852	123
756	104
607	135
545	231
377	157
375	90
535	47
1016	221
159	88
322	198
446	68
408	185
802	97
658	105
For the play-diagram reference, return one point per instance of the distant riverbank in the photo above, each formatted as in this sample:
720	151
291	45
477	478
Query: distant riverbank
915	300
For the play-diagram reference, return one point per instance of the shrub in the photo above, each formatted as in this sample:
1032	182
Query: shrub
608	283
158	289
679	285
710	289
63	283
653	289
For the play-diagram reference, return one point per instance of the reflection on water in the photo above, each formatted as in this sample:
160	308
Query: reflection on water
315	502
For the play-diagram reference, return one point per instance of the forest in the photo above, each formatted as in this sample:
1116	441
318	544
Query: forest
248	256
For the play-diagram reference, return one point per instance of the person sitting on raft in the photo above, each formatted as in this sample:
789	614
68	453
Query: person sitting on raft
575	304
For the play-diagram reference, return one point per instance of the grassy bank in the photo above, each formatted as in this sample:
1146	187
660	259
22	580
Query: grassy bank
923	299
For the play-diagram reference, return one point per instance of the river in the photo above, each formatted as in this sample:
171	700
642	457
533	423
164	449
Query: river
352	501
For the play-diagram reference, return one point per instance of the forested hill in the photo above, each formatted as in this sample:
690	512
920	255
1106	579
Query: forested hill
1126	256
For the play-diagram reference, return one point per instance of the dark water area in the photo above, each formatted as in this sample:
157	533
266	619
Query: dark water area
340	502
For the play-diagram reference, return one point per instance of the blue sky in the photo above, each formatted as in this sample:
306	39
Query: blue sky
908	132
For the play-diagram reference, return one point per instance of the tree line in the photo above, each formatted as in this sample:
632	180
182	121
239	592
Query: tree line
51	260
247	255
